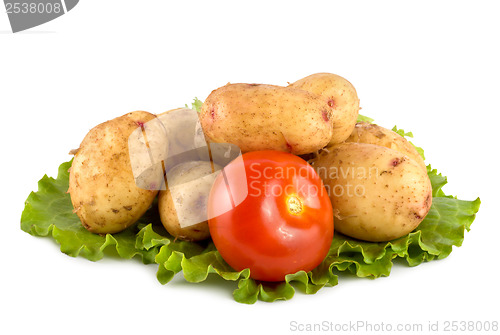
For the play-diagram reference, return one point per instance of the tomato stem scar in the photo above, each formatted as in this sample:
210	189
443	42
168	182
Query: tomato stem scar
294	205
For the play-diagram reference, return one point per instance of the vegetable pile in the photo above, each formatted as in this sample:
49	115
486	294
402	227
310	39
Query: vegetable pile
141	233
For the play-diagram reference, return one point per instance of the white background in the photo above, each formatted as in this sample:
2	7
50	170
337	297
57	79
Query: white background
429	67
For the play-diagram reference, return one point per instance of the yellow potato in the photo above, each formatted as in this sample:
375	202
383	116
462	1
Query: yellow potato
378	194
183	206
183	136
266	117
365	132
102	185
341	97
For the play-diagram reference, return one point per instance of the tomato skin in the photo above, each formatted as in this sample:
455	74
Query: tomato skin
285	223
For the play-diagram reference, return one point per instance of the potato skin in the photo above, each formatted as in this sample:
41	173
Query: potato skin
378	194
341	97
181	124
192	199
267	117
101	182
365	132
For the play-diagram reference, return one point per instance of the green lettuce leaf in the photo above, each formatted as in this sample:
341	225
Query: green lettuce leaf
49	212
196	105
362	118
401	132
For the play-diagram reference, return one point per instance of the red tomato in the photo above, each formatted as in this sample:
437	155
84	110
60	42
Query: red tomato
283	225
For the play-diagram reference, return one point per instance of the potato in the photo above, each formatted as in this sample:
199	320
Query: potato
182	126
365	132
266	117
378	194
102	184
189	185
341	97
